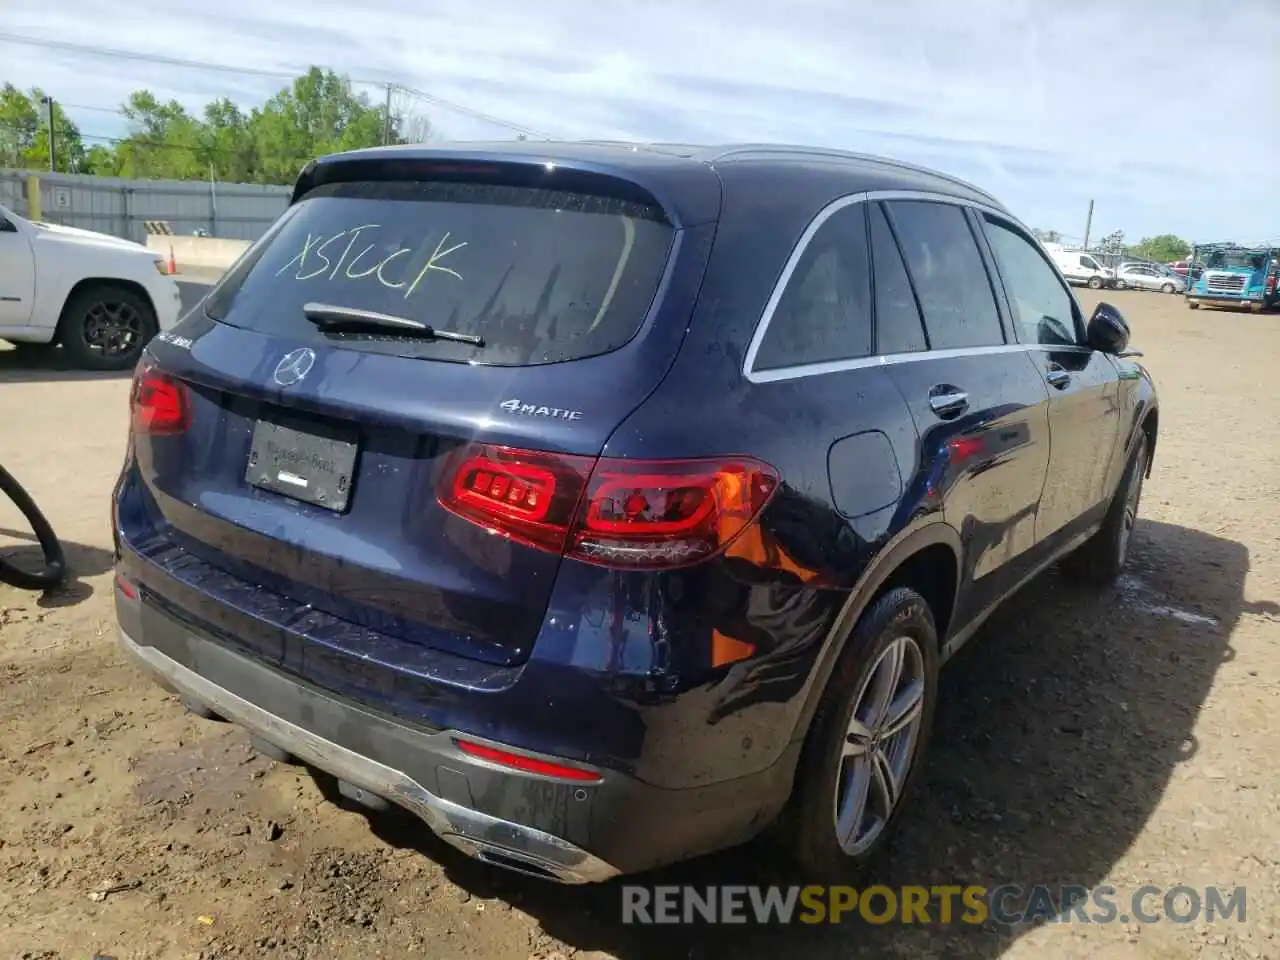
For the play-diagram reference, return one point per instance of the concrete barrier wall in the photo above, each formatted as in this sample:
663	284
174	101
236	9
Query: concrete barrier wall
199	251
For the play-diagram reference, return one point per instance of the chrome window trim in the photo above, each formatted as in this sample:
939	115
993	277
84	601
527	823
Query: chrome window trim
780	287
876	360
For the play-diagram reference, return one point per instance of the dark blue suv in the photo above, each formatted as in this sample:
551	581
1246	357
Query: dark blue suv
604	504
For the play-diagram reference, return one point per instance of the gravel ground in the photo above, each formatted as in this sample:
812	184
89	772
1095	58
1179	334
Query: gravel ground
1124	738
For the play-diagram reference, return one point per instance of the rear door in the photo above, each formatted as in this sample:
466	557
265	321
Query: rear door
978	401
318	460
1084	409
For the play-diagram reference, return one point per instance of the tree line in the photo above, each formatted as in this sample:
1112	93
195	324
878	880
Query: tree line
1162	248
317	113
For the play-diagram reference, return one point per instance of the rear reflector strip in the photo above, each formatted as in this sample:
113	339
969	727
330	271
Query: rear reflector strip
525	764
125	587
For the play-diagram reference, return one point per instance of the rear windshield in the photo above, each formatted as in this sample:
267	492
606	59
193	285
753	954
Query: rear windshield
540	276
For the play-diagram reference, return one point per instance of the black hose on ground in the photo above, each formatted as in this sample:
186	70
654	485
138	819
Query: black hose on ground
55	564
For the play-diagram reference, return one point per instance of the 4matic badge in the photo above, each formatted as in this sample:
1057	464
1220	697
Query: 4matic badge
536	410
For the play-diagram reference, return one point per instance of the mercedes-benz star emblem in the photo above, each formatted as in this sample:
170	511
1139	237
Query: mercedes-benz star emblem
294	366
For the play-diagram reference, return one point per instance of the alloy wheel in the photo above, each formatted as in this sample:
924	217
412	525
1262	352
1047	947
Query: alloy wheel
880	745
1131	500
113	329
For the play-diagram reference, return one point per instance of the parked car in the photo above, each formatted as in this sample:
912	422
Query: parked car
521	486
1186	269
1148	276
100	297
1082	268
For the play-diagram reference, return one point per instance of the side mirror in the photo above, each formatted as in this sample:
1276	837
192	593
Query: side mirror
1107	330
6	226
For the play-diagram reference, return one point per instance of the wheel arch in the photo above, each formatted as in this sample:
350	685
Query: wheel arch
916	558
1150	425
90	283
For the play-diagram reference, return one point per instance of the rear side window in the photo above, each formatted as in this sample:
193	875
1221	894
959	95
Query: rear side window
540	276
948	273
1042	308
824	313
898	325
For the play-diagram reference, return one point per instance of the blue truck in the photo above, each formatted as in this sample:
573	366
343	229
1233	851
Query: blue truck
1232	275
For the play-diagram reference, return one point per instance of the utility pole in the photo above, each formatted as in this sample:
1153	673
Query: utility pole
213	201
386	119
1088	223
53	150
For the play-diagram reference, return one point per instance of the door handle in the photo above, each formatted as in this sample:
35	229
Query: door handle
948	402
1057	376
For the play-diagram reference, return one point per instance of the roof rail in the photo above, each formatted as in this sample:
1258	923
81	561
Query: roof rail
748	149
757	148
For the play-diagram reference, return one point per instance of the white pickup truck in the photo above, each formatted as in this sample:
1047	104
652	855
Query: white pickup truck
100	297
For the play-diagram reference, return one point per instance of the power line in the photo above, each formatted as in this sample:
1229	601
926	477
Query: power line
450	105
281	73
100	51
141	141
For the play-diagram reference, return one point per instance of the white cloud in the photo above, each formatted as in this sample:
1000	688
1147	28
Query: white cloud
1164	112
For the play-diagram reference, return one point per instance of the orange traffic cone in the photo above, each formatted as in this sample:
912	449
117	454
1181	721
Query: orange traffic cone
173	264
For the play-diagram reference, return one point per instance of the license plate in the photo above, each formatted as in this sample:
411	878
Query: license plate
307	466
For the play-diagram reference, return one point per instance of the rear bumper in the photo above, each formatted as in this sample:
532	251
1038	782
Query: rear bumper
552	828
509	844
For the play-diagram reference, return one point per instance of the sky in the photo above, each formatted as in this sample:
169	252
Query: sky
1166	113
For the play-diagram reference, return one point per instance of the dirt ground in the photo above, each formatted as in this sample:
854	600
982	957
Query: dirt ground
1125	738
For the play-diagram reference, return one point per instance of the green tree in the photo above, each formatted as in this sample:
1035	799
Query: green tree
318	113
24	132
102	161
1111	243
164	141
228	150
1163	248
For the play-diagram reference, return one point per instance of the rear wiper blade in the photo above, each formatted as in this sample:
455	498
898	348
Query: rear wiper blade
328	316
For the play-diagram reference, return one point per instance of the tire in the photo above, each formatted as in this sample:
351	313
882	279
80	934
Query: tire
1095	283
105	327
1122	285
55	564
1100	559
1166	288
898	621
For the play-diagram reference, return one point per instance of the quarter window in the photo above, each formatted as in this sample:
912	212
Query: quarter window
1042	308
949	276
824	313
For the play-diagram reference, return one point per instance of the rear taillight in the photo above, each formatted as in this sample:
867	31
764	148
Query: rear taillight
158	402
667	513
639	514
530	497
